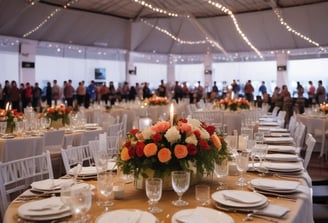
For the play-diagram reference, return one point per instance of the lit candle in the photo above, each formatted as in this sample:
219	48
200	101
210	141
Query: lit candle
171	114
7	106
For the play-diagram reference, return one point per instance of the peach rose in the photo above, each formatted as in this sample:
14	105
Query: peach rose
216	141
164	155
184	127
125	154
161	126
150	149
180	151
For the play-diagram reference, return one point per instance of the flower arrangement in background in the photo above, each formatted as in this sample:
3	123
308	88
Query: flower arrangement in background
58	113
324	108
189	143
232	104
10	116
155	100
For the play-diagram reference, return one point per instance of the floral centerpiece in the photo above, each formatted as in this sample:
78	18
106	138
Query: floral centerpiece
155	100
324	108
232	104
188	144
10	116
59	115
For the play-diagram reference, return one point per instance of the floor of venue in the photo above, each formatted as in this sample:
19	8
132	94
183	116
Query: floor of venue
318	166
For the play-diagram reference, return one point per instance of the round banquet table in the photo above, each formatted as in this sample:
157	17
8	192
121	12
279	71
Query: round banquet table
300	209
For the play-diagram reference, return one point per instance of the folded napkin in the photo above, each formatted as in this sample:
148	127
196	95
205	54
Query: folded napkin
198	215
236	196
273	210
283	157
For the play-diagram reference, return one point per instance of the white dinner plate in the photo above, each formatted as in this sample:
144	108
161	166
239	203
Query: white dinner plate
125	215
280	186
284	167
280	134
202	215
46	209
50	184
239	199
278	139
282	157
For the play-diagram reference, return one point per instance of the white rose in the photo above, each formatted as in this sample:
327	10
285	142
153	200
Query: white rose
147	133
192	140
204	134
194	123
172	135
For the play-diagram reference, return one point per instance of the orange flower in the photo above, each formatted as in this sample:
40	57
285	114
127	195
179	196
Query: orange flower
150	149
180	151
125	154
216	141
164	155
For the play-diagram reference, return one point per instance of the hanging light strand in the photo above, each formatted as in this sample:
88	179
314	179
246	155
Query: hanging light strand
166	32
277	12
49	17
159	10
235	22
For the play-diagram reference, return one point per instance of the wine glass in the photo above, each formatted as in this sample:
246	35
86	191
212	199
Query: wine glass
242	166
79	199
221	172
260	151
180	184
20	126
105	184
154	193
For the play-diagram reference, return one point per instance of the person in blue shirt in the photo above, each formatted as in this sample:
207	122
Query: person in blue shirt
263	88
91	90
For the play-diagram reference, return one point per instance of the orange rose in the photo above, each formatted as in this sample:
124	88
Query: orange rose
180	151
125	154
150	149
164	155
216	141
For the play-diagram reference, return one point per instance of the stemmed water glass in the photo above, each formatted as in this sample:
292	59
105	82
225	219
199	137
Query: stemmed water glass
260	151
105	184
180	184
20	126
79	199
154	193
221	172
242	166
3	127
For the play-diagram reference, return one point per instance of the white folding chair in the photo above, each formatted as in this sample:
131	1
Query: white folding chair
310	143
74	154
54	140
299	134
112	143
17	175
115	129
317	127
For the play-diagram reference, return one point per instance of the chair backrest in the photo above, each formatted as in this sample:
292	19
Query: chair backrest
310	143
74	154
317	127
17	175
292	125
112	146
275	111
299	134
115	129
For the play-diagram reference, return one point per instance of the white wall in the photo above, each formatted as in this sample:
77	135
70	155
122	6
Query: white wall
191	73
60	68
9	66
152	73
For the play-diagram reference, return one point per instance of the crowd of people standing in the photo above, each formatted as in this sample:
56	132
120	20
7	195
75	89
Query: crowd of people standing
53	94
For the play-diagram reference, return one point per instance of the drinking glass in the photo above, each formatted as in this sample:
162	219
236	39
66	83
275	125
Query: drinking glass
105	184
20	126
3	127
180	184
154	193
259	137
260	151
79	199
202	194
221	172
242	166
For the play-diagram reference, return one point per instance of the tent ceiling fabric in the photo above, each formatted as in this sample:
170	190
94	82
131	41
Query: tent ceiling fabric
126	24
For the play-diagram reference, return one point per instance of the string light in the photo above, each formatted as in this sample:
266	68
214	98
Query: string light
174	37
50	16
241	33
290	29
159	10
